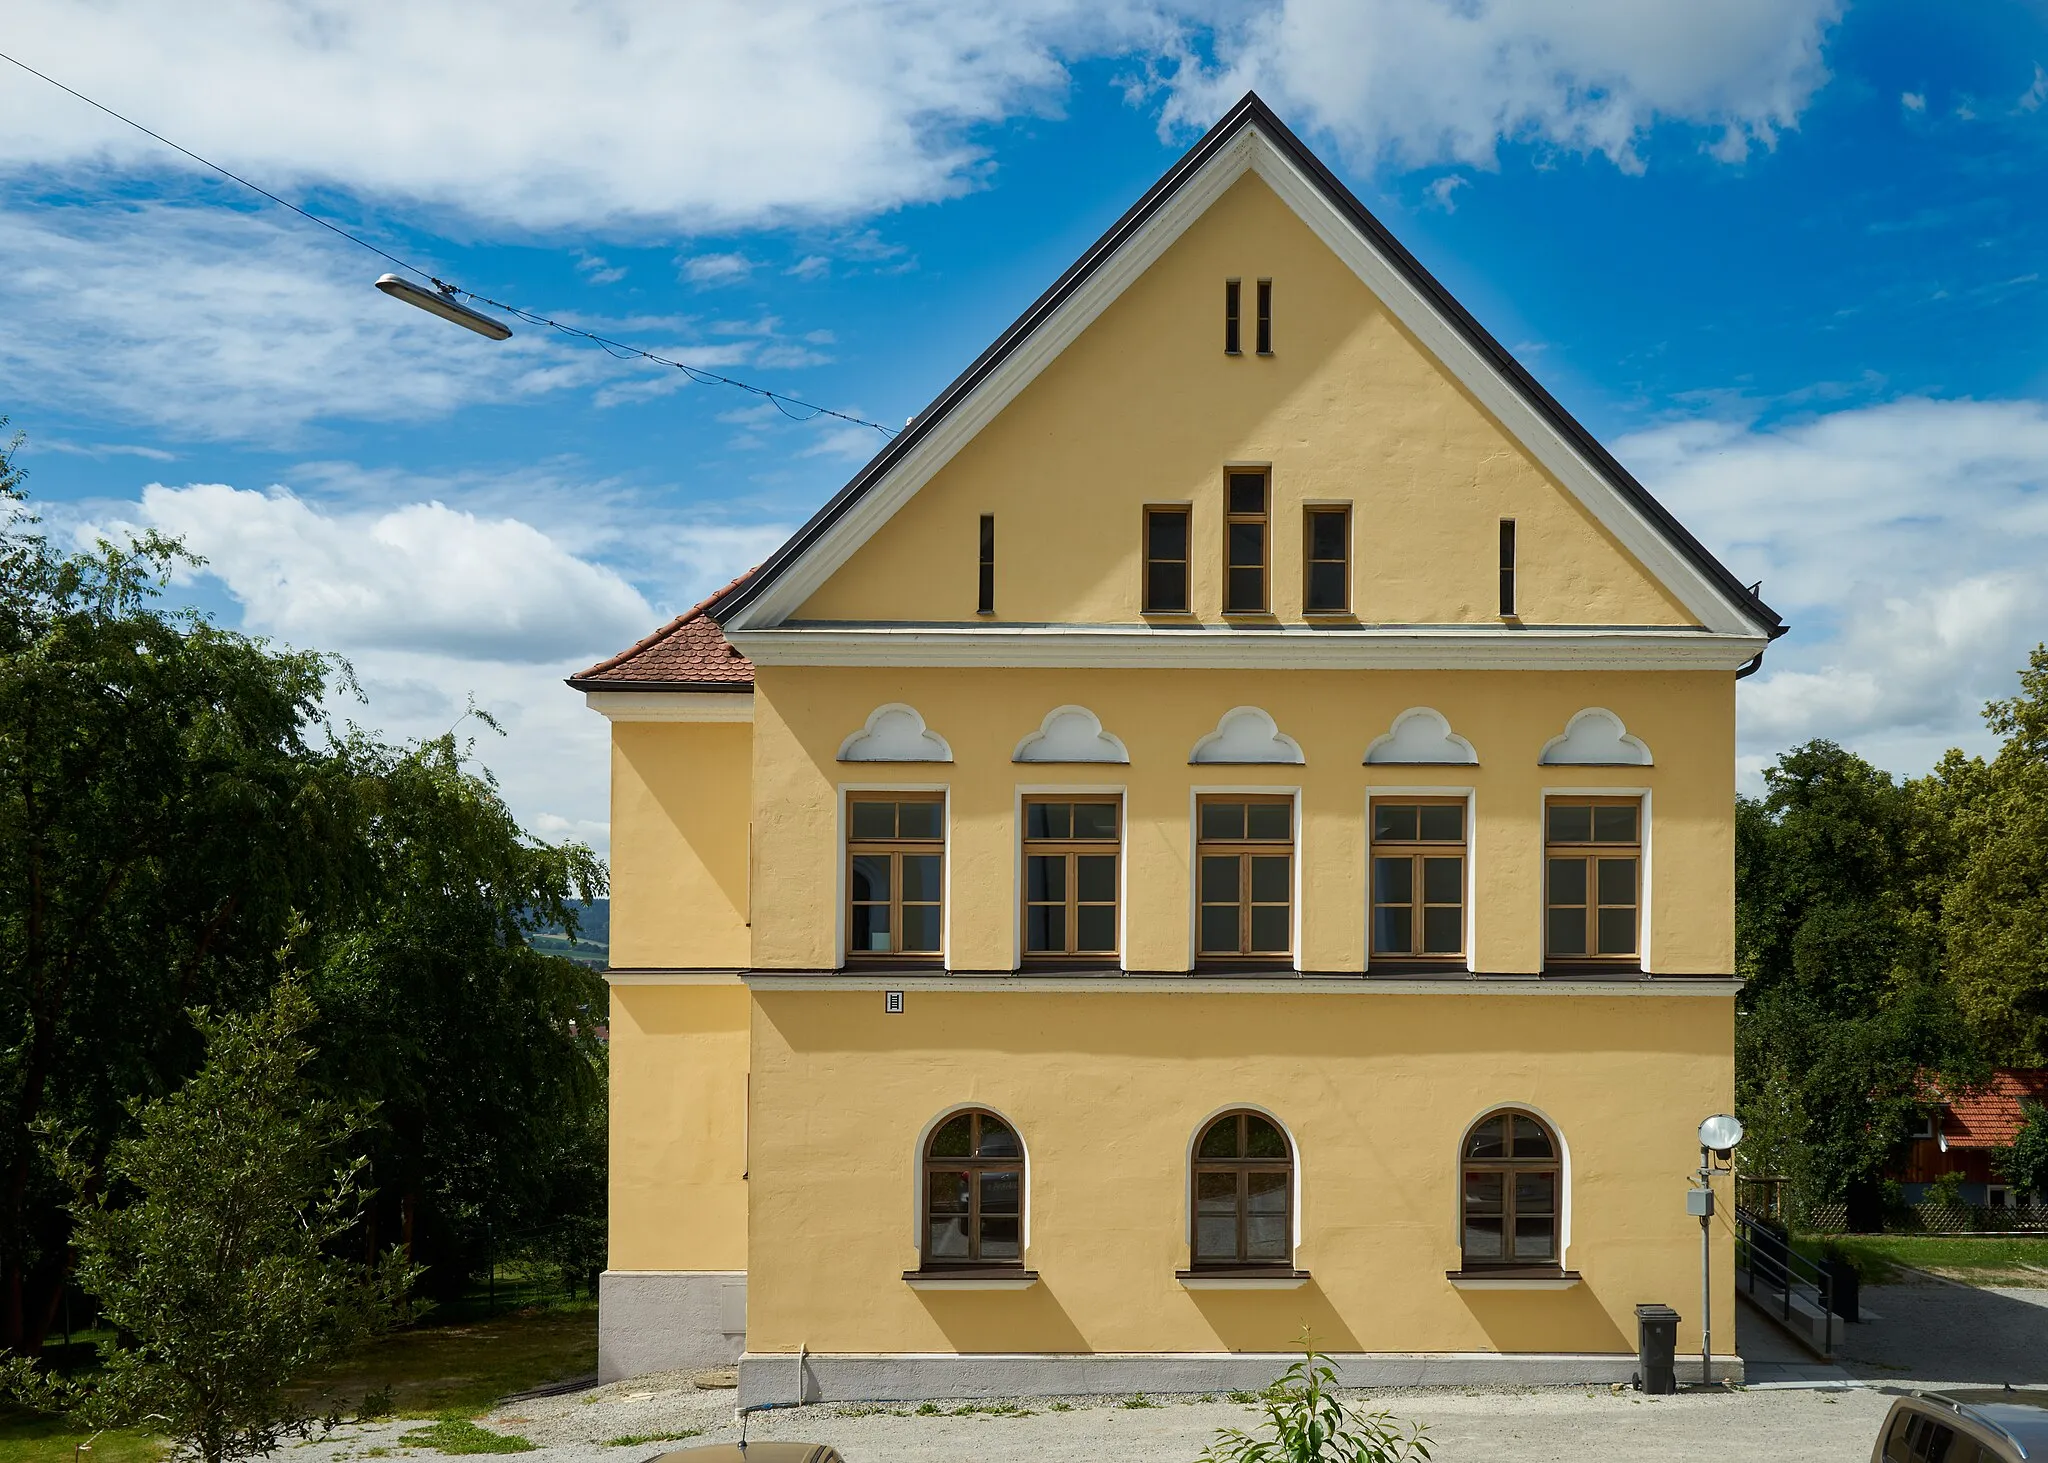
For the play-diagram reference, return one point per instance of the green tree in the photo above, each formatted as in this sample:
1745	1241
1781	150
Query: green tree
1995	917
2023	1163
213	1237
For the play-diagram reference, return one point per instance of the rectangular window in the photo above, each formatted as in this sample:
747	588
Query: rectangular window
1244	539
1418	879
1507	567
1326	557
1166	561
1265	317
1231	291
987	605
1244	848
896	854
1070	877
1593	855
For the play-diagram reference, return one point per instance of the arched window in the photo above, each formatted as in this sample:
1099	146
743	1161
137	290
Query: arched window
1511	1193
973	1193
1243	1194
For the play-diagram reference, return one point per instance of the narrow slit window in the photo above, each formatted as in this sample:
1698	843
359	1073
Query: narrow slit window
987	605
1326	587
1418	879
1593	857
1265	317
1245	852
1507	568
1245	540
896	854
1070	877
1166	561
1232	291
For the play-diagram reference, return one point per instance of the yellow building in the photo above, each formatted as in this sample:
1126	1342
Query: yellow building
1222	833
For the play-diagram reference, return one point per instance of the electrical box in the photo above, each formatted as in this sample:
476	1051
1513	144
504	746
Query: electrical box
1699	1203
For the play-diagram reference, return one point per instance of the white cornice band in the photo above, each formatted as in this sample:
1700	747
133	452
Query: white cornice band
1113	983
1286	648
709	706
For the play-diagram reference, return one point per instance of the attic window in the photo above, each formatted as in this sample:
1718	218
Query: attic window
1244	564
1507	568
1265	317
987	603
1166	560
1232	291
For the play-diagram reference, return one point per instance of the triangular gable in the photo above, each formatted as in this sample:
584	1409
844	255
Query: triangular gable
1251	138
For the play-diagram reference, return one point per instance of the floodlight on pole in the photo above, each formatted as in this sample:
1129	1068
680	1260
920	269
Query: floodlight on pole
444	304
1718	1136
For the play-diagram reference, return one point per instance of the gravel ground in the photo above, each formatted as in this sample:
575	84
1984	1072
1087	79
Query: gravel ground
1533	1425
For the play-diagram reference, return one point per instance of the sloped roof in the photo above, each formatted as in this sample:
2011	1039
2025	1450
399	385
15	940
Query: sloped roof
1990	1116
1251	112
689	653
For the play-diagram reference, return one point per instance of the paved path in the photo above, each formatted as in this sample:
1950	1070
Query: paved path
1927	1332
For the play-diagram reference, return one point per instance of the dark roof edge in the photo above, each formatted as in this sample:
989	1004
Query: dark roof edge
1249	110
596	683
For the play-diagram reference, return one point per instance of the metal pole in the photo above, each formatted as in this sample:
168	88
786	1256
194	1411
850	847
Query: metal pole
1706	1277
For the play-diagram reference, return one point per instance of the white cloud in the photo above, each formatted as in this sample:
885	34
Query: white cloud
708	271
1903	542
1415	83
811	266
2030	100
1913	101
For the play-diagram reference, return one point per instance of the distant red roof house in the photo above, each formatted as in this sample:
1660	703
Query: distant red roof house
1965	1126
689	653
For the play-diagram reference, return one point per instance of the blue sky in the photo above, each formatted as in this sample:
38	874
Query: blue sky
1785	258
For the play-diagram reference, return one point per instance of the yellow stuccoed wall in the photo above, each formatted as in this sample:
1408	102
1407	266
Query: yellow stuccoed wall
679	1127
1145	407
1107	1091
680	809
803	714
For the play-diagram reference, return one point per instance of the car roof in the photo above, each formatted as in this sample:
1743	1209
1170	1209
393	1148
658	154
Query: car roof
2021	1415
752	1453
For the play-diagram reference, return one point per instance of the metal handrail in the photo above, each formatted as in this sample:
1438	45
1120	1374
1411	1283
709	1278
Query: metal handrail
1764	1252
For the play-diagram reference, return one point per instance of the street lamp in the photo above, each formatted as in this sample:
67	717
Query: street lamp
442	302
1718	1136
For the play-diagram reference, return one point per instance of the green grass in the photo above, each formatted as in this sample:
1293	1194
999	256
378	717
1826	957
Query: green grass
634	1440
451	1432
1141	1400
462	1367
1959	1257
32	1437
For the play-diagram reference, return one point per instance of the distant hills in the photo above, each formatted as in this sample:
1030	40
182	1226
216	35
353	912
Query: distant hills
593	943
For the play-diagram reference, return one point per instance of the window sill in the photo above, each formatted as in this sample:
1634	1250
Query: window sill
1453	966
1595	969
967	1277
880	964
1250	1278
1513	1278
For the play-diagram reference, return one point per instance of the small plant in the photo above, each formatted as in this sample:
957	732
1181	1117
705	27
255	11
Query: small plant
634	1440
1140	1400
1946	1191
1245	1399
375	1405
1061	1407
451	1432
928	1409
1306	1423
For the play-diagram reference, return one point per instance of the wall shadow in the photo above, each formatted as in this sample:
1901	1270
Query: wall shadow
1546	1320
1004	1320
1275	1320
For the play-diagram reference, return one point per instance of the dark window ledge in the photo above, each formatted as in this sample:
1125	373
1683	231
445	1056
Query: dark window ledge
1442	969
971	1277
1267	966
1243	1277
1594	969
882	964
1513	1277
1068	965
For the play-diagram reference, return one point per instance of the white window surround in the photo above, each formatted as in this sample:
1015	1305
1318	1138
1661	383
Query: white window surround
840	839
1420	736
1071	734
1195	795
917	1194
1123	859
895	732
1471	796
1246	736
1187	1191
1644	904
1595	737
1564	1202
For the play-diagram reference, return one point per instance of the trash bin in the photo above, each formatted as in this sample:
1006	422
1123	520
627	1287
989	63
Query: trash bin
1842	1286
1656	1348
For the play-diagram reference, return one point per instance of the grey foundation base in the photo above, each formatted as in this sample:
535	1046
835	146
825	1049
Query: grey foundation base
841	1377
669	1320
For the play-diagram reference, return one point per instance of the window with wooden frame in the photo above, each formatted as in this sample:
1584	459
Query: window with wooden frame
1070	876
1245	876
1243	1199
1593	860
1511	1192
896	855
1418	879
1265	317
1507	569
1326	560
973	1193
1166	560
1233	293
1246	541
986	576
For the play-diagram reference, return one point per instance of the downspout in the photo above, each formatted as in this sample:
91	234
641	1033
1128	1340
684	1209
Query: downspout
1751	666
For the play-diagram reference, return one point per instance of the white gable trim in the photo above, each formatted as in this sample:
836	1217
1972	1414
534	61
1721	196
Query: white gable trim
1610	506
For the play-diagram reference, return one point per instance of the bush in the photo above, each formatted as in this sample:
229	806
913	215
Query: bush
1306	1423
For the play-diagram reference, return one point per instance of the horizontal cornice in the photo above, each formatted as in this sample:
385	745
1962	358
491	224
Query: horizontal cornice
1281	647
1209	983
675	703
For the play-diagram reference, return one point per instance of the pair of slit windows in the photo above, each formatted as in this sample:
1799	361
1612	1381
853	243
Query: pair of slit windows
1241	1204
1233	305
1247	552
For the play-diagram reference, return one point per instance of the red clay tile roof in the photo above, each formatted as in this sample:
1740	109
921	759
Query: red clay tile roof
1990	1116
689	653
